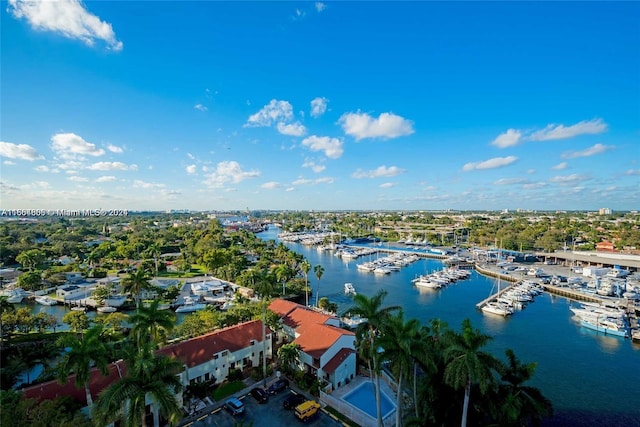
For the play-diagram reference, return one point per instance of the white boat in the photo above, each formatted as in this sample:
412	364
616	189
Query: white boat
349	289
607	325
45	300
190	305
106	309
14	296
115	300
498	308
426	282
78	308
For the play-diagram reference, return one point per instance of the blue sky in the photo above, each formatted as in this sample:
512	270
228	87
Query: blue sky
307	105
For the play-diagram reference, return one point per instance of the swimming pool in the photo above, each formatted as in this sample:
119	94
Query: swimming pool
364	398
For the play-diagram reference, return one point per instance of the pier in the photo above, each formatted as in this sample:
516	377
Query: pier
570	293
487	272
494	296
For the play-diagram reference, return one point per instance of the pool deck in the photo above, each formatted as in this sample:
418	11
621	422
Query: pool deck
336	400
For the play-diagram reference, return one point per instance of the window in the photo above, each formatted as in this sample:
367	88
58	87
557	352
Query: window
207	376
215	357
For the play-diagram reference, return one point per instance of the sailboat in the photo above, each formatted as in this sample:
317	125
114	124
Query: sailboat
497	307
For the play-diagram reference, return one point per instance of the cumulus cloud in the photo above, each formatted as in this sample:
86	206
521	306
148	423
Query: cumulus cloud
76	178
228	171
275	111
510	181
42	168
378	172
496	162
111	166
138	183
591	151
317	168
19	151
585	127
305	181
66	17
386	126
271	185
200	107
293	129
114	149
332	147
569	179
69	145
508	139
320	6
191	169
633	172
106	178
387	185
560	166
318	106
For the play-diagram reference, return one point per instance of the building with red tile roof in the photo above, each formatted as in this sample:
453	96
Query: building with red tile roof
325	349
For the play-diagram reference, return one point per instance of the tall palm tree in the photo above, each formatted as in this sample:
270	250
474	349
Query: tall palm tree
148	376
83	352
520	404
368	333
399	341
305	266
282	272
154	250
150	322
135	283
319	270
467	364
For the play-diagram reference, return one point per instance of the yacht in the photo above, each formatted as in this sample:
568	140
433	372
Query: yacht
190	305
45	300
606	325
349	289
499	308
106	309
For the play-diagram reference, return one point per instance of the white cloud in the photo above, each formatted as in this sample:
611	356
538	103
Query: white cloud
324	180
111	166
633	172
228	171
8	162
138	183
534	185
114	148
378	172
200	107
293	129
317	168
271	185
320	6
508	139
274	111
76	178
332	147
106	178
387	125
66	17
305	181
569	179
68	145
318	106
510	181
290	189
496	162
191	169
387	185
560	166
19	151
591	151
553	131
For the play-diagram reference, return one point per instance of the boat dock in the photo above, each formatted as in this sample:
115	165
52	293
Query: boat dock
494	297
570	293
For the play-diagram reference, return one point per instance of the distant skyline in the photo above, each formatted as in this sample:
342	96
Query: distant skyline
153	106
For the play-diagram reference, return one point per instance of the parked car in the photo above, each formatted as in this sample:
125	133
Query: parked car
260	395
234	406
293	400
306	410
278	386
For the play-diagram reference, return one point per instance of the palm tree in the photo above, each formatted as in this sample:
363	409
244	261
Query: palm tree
148	376
288	354
282	272
137	282
467	364
83	351
377	316
150	322
305	266
399	342
319	270
154	250
520	404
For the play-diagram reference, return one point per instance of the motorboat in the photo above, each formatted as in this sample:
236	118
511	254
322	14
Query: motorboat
349	289
116	300
106	309
606	325
45	300
190	305
498	308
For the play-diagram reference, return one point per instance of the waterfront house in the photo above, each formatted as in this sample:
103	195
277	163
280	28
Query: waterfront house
326	350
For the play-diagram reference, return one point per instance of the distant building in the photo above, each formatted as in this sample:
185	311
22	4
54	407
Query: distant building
604	211
605	246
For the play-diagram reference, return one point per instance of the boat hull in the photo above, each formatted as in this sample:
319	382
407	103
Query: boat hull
604	329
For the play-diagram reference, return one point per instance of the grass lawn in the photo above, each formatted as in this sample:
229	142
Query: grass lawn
227	390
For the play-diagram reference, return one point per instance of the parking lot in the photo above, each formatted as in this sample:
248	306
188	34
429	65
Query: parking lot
268	414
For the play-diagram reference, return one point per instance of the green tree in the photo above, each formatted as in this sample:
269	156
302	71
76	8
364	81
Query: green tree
31	258
319	271
467	364
78	321
82	353
368	333
288	354
135	283
305	266
5	307
148	376
30	280
152	323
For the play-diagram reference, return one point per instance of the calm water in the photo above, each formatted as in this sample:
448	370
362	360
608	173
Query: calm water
592	380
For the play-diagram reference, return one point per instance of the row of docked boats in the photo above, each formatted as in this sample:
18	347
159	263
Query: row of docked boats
387	264
604	319
441	278
516	297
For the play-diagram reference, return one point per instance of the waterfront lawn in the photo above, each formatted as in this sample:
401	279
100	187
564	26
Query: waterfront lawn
227	390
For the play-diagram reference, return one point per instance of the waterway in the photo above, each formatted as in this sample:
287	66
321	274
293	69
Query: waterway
592	380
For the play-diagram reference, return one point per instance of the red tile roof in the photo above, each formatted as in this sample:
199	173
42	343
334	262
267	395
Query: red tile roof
297	316
316	339
336	360
199	350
